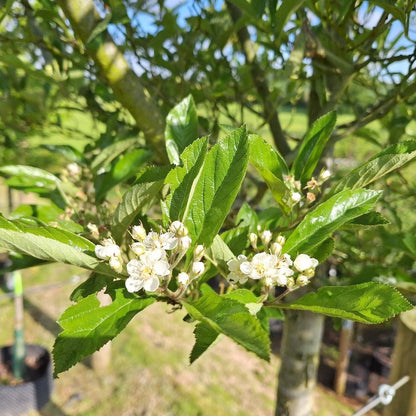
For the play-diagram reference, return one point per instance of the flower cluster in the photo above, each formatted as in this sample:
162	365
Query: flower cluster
271	266
312	188
156	255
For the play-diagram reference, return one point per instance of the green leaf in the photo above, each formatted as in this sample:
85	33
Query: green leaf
323	250
181	128
181	179
258	7
70	153
93	284
50	244
99	28
329	216
137	200
247	217
371	219
218	254
286	9
271	167
312	146
23	177
205	336
111	152
87	326
124	168
265	157
209	187
231	318
236	239
390	159
370	303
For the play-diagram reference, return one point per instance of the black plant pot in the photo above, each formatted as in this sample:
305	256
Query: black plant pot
35	391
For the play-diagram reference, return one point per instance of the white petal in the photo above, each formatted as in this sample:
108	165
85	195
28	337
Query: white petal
133	285
151	284
134	267
183	278
100	252
302	262
246	267
161	268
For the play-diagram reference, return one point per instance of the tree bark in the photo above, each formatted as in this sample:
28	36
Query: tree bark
114	68
301	343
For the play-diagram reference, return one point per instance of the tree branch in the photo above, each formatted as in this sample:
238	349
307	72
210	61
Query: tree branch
112	65
259	79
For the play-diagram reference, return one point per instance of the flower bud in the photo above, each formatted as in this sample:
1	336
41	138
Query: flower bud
276	249
290	282
197	268
266	236
253	240
138	232
116	264
302	280
199	252
179	229
183	278
296	197
310	197
93	230
184	243
304	262
281	240
324	175
138	248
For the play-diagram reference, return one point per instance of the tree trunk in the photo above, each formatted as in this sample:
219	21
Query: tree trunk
301	342
404	363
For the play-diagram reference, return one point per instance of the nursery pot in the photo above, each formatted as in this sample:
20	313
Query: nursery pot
35	390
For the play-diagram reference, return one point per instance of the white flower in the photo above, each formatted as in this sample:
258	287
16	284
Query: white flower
266	236
165	241
296	197
183	278
168	240
304	262
287	260
148	270
138	232
107	250
236	275
116	264
178	229
197	268
262	265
